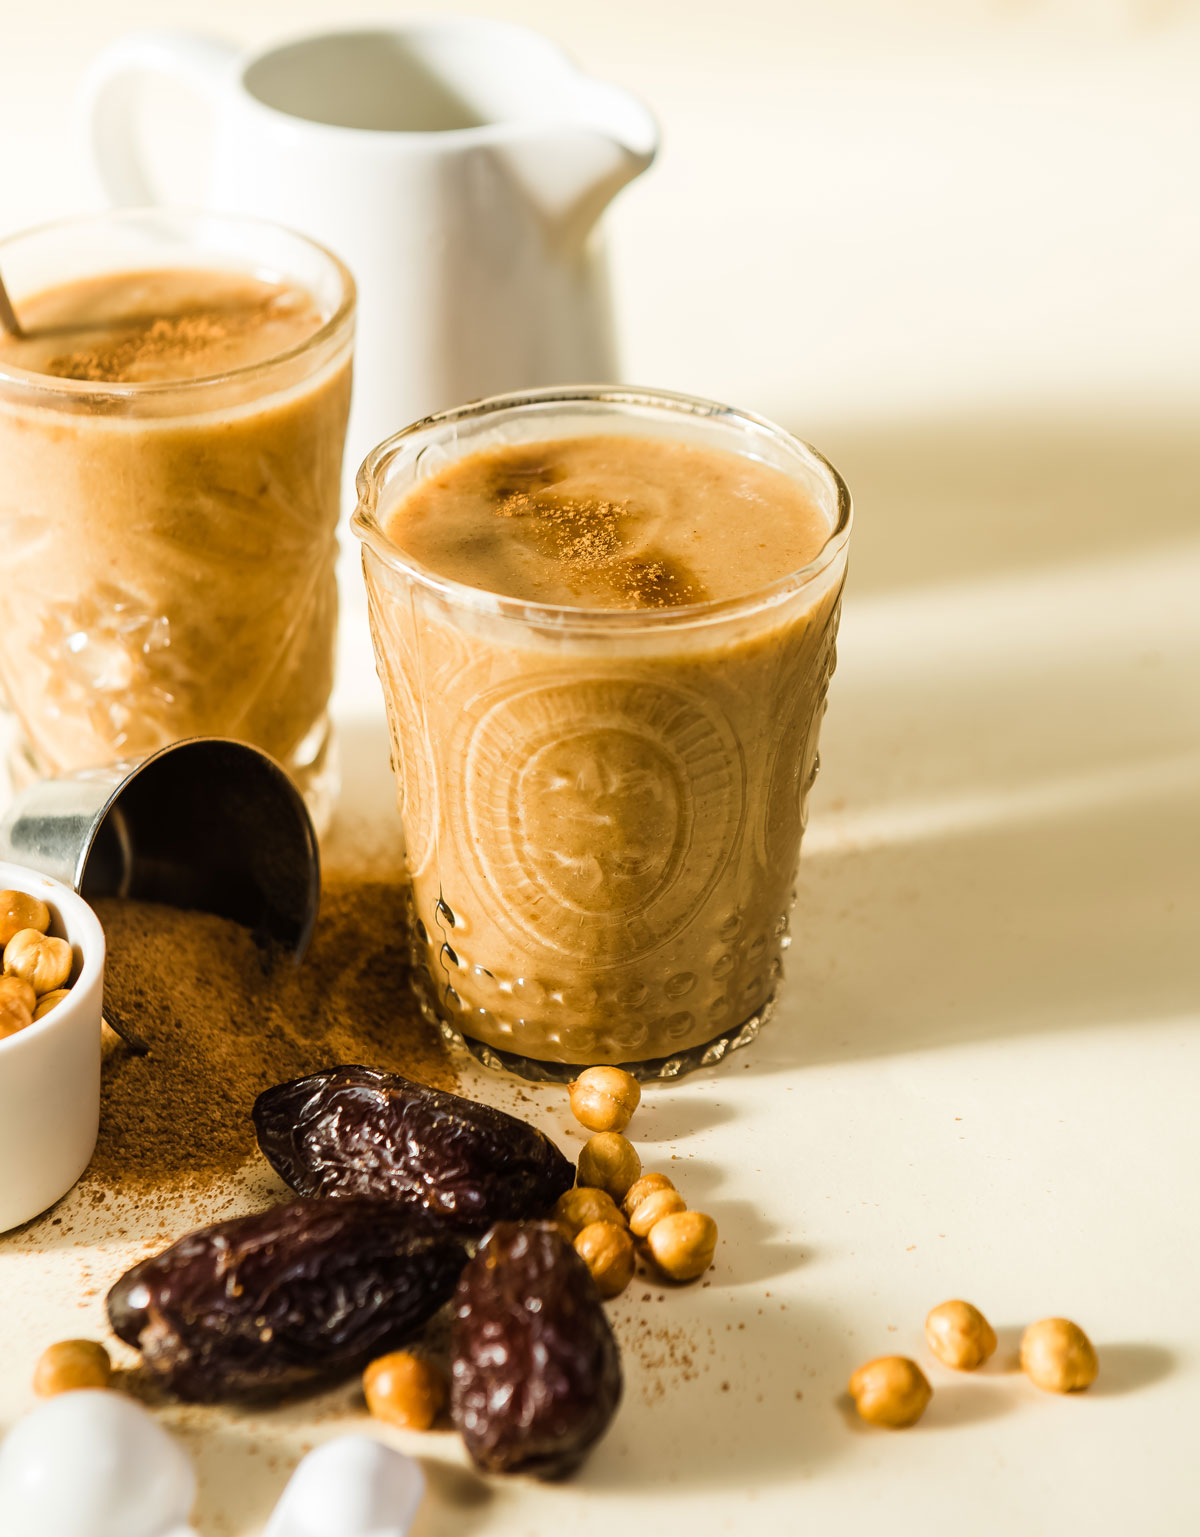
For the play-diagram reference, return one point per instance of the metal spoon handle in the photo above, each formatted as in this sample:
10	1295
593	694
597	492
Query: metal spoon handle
8	316
132	1039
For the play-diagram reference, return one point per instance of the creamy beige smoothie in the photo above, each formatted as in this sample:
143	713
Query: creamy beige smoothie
603	755
159	327
610	522
171	441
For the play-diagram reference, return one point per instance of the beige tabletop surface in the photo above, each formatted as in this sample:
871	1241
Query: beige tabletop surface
956	245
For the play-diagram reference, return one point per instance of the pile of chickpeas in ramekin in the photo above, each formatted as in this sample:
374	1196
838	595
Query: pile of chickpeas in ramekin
37	967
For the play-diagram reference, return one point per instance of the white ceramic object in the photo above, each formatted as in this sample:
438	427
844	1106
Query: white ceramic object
50	1071
353	1486
459	166
94	1464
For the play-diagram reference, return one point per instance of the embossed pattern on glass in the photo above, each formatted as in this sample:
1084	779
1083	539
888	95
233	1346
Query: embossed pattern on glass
688	736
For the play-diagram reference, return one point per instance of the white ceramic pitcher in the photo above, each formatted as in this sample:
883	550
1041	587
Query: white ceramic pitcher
458	166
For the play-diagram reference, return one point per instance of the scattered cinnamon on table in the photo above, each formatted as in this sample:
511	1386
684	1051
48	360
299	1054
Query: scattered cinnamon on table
225	1020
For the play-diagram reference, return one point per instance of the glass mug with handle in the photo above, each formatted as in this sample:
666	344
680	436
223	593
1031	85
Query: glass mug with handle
602	807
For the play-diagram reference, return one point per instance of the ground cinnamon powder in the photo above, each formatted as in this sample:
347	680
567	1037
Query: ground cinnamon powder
585	535
126	347
224	1021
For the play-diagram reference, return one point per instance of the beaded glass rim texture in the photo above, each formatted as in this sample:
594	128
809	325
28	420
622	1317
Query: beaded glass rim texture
366	526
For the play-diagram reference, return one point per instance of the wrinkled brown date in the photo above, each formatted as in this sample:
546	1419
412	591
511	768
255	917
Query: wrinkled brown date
272	1301
355	1131
536	1374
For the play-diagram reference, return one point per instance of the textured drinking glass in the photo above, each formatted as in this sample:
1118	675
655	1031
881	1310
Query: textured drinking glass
169	547
602	809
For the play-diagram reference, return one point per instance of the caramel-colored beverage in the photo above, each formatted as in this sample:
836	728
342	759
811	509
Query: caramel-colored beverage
160	327
611	523
605	684
172	444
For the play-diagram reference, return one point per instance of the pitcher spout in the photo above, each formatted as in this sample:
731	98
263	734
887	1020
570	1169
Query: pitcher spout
572	168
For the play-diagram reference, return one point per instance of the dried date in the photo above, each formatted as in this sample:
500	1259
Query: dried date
265	1303
536	1373
354	1131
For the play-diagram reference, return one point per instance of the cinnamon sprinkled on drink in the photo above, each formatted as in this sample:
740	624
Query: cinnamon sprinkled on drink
125	349
585	535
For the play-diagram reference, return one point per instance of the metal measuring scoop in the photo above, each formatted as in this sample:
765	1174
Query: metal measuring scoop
207	824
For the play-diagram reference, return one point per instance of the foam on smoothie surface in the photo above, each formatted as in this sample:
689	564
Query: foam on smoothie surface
160	326
610	522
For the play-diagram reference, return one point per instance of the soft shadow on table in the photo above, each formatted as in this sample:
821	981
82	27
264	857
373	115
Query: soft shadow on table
662	1119
751	1249
1085	921
234	1456
715	1391
757	1252
1127	1367
1006	1360
953	1404
460	1492
959	497
717	1395
1005	836
254	1449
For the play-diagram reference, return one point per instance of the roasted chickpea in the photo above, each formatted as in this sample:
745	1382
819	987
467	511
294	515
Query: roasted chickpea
18	910
1057	1356
404	1390
604	1098
43	962
657	1205
50	1001
641	1188
17	1003
607	1250
683	1244
891	1391
576	1209
609	1162
959	1335
69	1365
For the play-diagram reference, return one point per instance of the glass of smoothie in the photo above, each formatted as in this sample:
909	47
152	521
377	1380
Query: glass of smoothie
171	433
604	622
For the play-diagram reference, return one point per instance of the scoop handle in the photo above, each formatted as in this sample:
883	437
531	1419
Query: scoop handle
109	102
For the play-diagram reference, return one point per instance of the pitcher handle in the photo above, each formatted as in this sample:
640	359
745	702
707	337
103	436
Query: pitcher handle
108	100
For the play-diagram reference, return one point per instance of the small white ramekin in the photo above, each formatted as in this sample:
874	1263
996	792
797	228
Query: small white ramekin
50	1071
